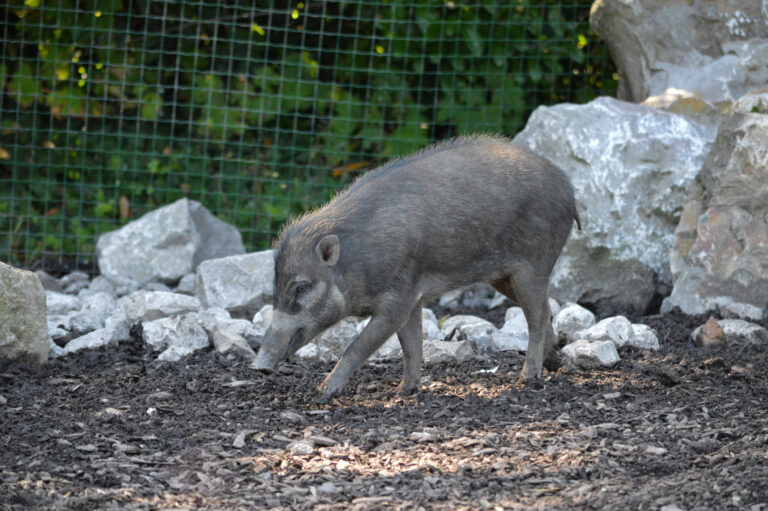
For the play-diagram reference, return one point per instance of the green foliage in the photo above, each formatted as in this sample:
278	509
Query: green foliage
259	109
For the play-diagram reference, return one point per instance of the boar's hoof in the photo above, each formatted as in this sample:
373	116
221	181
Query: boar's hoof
529	373
407	390
327	393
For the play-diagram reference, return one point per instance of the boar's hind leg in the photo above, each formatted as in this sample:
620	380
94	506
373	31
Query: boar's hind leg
530	291
409	336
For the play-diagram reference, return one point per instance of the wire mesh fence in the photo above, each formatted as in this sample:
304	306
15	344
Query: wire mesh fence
258	109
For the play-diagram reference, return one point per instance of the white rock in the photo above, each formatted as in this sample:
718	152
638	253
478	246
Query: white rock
313	352
301	448
59	304
339	336
584	353
736	310
175	353
631	167
97	307
74	282
443	351
150	305
389	350
515	323
164	245
645	337
213	317
49	282
99	284
616	329
225	341
156	286
572	318
554	306
501	341
58	326
188	284
91	340
430	328
241	284
262	319
498	300
118	325
178	335
467	327
739	332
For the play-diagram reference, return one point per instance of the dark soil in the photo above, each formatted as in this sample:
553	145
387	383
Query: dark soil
115	430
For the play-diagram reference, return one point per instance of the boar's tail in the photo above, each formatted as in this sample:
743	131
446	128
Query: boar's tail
576	217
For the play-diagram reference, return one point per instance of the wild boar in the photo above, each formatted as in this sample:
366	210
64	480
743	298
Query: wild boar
466	210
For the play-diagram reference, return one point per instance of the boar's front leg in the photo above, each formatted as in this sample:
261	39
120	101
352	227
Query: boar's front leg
410	338
383	324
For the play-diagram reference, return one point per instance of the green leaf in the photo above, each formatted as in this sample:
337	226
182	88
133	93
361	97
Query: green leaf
151	106
473	40
67	101
24	86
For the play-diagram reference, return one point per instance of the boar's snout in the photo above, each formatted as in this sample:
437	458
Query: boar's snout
276	347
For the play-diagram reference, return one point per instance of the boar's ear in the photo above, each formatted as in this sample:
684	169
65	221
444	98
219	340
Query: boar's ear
328	249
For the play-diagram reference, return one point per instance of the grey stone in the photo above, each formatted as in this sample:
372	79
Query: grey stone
590	354
463	326
176	336
164	245
156	286
262	319
515	323
49	283
217	238
241	284
389	350
645	337
436	352
216	318
739	332
60	304
226	341
99	284
631	167
430	328
753	102
502	341
74	282
58	326
23	329
720	251
736	310
617	329
715	49
571	319
149	305
691	105
187	284
314	353
96	309
92	340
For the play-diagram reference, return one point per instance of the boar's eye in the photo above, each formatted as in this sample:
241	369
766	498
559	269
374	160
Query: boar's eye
301	288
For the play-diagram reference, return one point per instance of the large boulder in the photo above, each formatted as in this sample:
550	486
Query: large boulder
631	167
164	245
717	50
720	254
240	284
23	326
